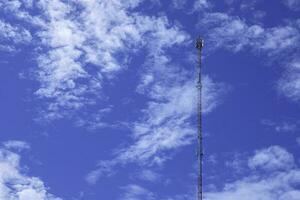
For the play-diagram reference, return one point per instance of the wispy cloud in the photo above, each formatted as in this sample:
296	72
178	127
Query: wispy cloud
16	145
289	84
292	4
166	125
167	121
179	4
136	192
279	43
14	184
281	127
201	4
148	175
12	35
78	50
234	33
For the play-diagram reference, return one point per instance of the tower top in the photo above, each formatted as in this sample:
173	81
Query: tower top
199	43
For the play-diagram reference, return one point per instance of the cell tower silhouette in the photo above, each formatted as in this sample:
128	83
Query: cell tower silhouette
199	47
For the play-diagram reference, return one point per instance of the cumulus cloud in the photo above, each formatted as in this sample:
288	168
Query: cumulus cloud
273	158
278	187
14	184
278	181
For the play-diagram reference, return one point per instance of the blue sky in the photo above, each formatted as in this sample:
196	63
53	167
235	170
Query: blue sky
98	99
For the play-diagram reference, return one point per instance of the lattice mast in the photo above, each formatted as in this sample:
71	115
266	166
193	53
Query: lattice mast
199	46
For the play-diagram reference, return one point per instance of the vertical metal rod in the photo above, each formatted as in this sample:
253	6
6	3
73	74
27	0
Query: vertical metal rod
199	46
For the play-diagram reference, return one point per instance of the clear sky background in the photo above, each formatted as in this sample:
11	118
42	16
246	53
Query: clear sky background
98	99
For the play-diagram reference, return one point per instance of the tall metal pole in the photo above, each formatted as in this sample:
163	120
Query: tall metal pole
199	46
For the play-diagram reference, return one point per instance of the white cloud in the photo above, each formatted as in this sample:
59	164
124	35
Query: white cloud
278	182
236	163
166	124
148	175
178	4
280	186
78	49
104	168
93	176
292	4
11	35
233	33
285	127
82	48
289	84
136	192
298	141
14	184
16	145
72	44
166	121
201	4
272	158
279	43
11	5
191	7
